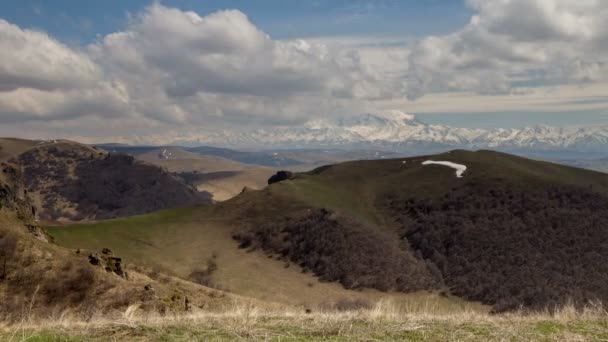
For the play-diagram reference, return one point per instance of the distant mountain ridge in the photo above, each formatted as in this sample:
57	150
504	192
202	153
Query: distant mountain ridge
400	131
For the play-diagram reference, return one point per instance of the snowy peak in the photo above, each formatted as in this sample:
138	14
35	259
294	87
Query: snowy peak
395	115
401	131
393	118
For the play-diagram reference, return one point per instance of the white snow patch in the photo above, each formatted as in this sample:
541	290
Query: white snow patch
460	169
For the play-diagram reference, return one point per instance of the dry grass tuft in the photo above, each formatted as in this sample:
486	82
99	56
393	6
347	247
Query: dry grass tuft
386	320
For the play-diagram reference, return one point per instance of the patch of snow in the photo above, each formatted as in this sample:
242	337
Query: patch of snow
404	162
460	169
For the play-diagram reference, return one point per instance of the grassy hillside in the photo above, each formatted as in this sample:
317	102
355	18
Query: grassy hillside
176	159
10	147
39	279
591	164
383	197
223	178
181	241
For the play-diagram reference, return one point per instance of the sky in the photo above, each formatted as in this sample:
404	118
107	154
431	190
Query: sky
148	71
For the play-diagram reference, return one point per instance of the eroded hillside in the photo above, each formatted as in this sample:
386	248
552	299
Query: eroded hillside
73	182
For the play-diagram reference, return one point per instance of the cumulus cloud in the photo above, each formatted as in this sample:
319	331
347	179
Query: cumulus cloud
32	59
192	67
509	42
174	73
178	67
41	78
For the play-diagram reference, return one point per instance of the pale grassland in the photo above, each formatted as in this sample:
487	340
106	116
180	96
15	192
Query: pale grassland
384	322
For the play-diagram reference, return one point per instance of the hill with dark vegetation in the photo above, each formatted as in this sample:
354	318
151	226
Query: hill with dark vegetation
341	249
508	245
70	181
510	233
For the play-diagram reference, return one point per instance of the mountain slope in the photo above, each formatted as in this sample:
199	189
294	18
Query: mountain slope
220	177
480	235
71	181
177	159
40	280
11	147
477	237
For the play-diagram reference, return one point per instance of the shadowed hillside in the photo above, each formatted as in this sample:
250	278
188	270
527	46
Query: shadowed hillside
70	181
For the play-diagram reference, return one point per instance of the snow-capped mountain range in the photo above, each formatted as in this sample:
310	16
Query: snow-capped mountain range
401	131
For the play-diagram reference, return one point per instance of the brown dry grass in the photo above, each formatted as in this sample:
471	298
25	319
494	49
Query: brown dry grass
384	321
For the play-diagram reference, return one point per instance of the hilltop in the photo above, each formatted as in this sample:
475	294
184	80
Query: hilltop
224	173
68	181
222	178
397	226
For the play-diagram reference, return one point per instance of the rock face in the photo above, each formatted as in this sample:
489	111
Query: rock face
73	182
108	261
14	196
280	176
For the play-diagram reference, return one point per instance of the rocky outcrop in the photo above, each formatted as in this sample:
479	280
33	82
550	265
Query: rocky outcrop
14	197
109	262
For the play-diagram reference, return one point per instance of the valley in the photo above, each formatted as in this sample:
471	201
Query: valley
377	199
360	241
354	170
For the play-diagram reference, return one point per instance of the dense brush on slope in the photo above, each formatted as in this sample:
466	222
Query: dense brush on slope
512	232
76	182
508	246
337	248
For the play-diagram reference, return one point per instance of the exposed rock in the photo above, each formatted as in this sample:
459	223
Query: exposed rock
109	262
14	196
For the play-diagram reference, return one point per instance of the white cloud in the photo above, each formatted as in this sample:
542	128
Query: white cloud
562	41
32	59
41	78
170	73
189	67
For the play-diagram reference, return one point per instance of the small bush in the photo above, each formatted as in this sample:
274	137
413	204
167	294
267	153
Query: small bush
71	283
205	276
8	250
352	304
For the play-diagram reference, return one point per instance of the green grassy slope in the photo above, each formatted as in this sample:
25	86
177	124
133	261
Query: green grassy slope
355	186
182	240
178	241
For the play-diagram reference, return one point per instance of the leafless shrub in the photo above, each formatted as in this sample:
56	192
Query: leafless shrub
350	304
8	249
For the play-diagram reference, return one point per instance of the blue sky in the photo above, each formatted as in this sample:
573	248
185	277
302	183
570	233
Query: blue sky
171	69
82	21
